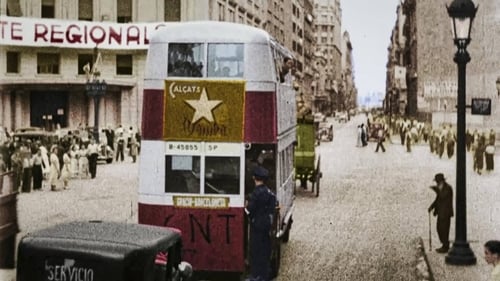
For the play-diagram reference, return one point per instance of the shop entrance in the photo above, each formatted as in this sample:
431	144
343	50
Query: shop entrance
49	108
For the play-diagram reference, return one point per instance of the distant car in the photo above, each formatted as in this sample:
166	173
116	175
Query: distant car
341	117
325	131
319	117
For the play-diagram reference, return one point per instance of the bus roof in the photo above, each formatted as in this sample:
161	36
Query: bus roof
210	31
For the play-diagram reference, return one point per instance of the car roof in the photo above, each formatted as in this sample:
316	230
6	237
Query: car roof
102	238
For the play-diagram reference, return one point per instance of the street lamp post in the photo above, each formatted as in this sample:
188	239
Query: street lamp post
95	89
462	14
498	86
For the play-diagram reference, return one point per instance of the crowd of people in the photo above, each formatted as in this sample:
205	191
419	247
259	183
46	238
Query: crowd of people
441	140
71	156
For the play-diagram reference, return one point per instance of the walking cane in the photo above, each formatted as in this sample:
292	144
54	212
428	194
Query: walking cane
430	236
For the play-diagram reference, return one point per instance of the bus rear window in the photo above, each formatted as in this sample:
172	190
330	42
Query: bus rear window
222	175
185	60
225	60
182	174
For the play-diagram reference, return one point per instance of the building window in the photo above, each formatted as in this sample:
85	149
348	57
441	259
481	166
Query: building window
47	63
12	62
124	64
124	11
172	10
85	8
13	8
48	9
232	16
84	59
222	11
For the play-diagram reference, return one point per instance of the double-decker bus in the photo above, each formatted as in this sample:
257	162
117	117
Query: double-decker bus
215	106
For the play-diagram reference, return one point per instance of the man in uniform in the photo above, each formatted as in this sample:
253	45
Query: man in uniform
443	208
260	209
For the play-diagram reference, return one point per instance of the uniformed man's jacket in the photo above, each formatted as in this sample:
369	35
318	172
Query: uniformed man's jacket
261	207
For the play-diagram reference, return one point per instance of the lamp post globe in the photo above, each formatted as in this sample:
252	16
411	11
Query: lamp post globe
462	13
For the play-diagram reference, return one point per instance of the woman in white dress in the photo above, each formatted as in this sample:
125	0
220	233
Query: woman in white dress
74	155
54	168
65	172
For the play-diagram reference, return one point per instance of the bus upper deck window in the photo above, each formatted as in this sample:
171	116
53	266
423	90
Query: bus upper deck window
186	60
225	60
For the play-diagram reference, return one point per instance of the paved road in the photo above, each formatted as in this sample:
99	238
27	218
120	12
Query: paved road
371	210
364	225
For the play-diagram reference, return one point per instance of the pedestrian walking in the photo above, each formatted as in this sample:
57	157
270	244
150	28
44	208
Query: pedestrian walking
442	207
66	170
492	256
260	208
489	156
37	170
380	139
92	151
55	170
359	131
364	136
134	145
120	146
479	156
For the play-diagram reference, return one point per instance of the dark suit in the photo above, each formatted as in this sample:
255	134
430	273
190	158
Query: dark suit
443	208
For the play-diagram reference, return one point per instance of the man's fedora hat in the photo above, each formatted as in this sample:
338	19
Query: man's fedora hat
439	177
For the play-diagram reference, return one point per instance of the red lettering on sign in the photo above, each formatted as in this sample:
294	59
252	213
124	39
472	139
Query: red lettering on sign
41	31
133	34
56	36
17	36
115	35
2	28
94	34
73	37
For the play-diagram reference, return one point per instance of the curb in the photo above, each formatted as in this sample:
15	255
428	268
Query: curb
427	274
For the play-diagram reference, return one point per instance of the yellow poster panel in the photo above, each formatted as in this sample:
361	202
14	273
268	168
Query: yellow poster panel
199	110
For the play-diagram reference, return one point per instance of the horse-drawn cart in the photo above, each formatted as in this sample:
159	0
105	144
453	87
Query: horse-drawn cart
307	164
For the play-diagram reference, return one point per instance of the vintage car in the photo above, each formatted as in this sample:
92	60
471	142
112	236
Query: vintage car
325	131
102	251
35	134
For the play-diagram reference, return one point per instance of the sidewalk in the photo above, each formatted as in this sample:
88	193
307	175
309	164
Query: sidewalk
7	275
444	272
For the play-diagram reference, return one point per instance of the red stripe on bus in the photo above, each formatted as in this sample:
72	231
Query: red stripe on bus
212	239
152	114
260	121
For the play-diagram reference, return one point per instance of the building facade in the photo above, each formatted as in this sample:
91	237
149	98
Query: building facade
347	87
46	46
327	20
431	73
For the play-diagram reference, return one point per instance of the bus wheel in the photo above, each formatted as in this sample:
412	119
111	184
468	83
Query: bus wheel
275	259
286	235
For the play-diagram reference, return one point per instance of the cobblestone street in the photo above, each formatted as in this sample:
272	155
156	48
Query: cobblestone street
365	225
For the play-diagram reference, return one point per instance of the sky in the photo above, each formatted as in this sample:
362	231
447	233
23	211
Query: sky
369	23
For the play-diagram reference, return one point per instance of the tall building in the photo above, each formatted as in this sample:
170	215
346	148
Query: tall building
396	87
327	20
347	87
431	73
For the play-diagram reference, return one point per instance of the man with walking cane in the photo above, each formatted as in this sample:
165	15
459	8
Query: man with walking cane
442	207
